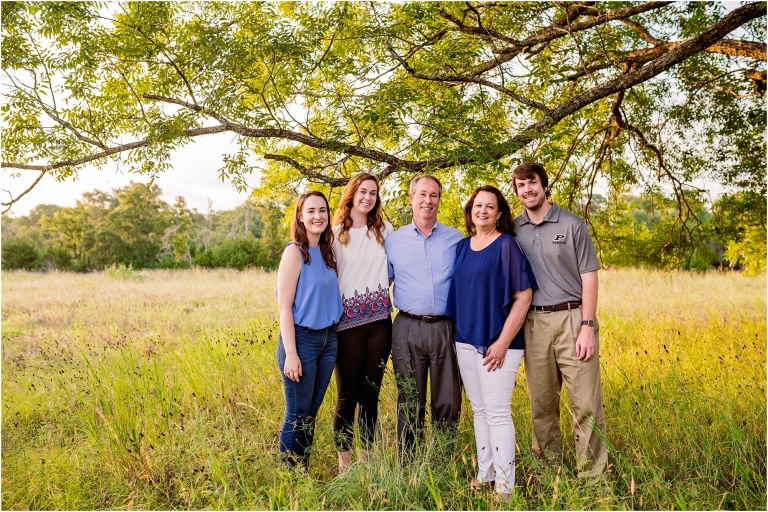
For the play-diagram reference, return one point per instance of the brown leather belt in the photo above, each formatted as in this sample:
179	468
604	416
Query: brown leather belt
423	318
557	307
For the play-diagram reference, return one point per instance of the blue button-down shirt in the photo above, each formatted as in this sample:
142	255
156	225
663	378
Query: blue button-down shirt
422	267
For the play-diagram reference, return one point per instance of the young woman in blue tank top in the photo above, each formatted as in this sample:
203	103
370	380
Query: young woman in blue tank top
310	306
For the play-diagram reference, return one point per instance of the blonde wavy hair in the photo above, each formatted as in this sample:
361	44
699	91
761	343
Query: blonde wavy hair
375	219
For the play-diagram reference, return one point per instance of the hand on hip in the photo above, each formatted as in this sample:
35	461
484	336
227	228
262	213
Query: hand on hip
495	355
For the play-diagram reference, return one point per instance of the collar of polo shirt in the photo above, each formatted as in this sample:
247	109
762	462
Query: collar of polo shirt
553	215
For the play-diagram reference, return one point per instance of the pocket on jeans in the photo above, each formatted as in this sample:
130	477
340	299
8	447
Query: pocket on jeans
300	330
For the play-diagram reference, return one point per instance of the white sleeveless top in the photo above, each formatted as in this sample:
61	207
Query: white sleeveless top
363	277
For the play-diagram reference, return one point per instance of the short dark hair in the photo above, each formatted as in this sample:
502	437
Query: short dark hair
504	224
528	171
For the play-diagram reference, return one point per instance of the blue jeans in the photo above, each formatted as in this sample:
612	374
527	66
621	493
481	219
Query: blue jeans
317	353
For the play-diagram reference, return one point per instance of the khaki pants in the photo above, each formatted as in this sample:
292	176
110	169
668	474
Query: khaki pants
550	360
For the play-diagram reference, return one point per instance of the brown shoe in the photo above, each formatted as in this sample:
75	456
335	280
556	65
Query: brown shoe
345	459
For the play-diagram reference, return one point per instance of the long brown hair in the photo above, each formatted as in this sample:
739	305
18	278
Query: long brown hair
504	224
375	218
299	232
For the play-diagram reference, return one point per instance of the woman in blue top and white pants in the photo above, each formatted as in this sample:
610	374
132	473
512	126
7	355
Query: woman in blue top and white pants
310	306
496	290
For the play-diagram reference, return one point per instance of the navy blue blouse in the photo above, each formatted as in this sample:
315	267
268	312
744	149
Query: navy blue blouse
482	291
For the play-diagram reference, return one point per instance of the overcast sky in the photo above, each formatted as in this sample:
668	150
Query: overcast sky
194	176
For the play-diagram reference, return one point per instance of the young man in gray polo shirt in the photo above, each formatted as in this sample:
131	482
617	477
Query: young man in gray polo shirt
561	330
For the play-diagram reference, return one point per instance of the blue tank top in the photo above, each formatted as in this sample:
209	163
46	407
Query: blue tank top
317	303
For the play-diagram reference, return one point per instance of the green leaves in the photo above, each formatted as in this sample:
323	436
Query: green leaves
234	169
342	87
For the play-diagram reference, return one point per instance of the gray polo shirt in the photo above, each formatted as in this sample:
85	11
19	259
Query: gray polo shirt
559	250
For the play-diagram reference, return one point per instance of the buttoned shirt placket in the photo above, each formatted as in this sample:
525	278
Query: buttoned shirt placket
428	260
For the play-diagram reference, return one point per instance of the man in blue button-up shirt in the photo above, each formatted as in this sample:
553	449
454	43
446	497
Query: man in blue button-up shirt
420	259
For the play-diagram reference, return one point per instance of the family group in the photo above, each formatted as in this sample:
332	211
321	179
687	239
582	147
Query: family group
469	309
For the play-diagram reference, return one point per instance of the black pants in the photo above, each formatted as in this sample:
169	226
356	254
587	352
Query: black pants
421	350
360	362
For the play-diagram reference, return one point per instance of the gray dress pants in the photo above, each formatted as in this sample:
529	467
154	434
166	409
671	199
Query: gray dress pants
421	350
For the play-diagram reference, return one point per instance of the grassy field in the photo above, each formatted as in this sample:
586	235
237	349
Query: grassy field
159	390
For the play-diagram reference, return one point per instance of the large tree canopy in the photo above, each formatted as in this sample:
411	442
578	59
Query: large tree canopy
650	95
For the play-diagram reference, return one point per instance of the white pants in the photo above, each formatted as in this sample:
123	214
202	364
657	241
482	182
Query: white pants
490	395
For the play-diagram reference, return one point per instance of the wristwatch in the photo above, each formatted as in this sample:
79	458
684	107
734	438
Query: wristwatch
590	323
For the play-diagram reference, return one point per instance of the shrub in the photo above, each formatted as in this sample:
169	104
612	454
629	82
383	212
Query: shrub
120	271
62	259
749	252
18	253
169	261
241	253
204	259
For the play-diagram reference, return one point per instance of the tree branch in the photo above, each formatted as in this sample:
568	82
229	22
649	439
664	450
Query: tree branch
309	173
75	131
13	200
427	42
280	133
50	112
636	75
588	70
465	79
109	152
322	57
735	48
478	31
758	80
643	55
643	32
322	178
170	62
546	35
734	19
551	33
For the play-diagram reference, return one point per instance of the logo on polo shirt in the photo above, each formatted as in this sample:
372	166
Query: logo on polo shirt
559	240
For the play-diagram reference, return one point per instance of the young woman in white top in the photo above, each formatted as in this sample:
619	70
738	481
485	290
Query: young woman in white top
365	328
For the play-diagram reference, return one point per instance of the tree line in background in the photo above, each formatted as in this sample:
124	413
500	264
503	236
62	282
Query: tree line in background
646	231
133	226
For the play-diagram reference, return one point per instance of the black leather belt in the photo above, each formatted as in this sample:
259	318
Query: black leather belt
423	318
557	307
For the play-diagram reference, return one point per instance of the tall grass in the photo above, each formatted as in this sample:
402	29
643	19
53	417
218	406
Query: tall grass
159	390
